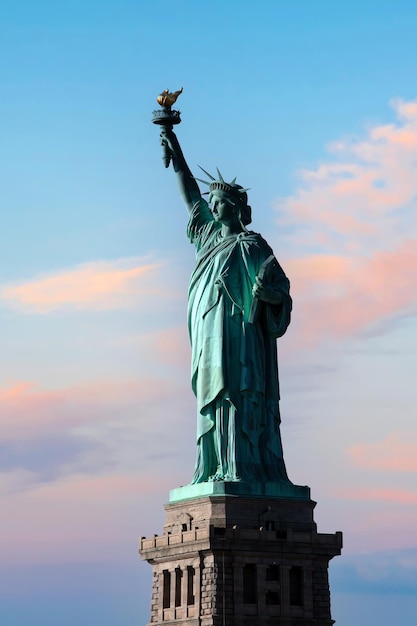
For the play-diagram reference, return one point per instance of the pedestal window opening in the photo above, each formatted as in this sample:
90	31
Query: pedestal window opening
250	584
178	586
296	586
190	585
166	600
273	581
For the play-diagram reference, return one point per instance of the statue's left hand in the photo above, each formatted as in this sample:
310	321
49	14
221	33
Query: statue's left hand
265	293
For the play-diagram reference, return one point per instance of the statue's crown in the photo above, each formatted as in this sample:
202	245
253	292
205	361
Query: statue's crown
236	191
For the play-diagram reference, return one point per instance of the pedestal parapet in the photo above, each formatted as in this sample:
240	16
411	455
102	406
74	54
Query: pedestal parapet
240	561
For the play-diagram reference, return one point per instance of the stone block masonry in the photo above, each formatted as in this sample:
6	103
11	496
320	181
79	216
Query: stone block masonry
236	561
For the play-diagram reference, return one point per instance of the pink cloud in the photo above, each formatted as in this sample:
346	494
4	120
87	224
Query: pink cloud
357	193
172	346
85	429
391	454
344	296
107	489
394	496
407	110
97	285
355	224
30	412
91	505
79	517
315	272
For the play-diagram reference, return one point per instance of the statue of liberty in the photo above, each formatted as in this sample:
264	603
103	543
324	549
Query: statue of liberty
238	304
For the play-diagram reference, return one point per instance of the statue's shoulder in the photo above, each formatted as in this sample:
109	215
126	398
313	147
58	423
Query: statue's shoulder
257	240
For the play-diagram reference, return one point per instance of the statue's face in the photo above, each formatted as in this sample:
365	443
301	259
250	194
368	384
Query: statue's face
222	207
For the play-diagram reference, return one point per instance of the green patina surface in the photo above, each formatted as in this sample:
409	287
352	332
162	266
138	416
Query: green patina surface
238	304
220	488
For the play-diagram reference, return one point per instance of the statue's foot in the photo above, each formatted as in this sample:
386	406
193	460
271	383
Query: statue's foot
221	476
217	476
232	479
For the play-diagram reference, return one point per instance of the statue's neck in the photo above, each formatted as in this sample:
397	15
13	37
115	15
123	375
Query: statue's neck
231	229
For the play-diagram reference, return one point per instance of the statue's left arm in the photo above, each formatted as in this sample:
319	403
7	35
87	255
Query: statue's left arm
273	290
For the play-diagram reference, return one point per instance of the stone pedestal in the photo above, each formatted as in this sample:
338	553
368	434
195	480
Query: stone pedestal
236	560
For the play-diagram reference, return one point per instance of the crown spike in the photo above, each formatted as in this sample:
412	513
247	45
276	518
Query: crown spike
220	176
243	190
202	181
233	181
209	175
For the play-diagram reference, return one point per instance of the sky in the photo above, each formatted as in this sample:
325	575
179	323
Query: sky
313	105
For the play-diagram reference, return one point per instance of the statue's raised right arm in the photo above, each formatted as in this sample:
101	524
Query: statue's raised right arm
187	183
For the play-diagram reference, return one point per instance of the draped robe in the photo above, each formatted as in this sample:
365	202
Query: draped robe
234	372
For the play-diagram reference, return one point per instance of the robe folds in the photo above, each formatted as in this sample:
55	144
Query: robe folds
234	371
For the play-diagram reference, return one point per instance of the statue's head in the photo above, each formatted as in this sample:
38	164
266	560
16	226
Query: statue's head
235	194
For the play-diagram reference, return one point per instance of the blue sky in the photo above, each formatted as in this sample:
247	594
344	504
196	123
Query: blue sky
313	105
